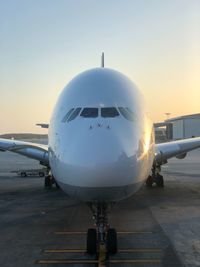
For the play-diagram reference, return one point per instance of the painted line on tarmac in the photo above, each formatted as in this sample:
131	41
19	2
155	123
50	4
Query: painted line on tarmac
127	250
102	256
70	233
64	250
100	263
66	261
134	232
136	261
83	232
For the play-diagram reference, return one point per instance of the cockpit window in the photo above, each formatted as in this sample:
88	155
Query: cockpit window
74	114
67	115
106	112
127	113
109	112
89	113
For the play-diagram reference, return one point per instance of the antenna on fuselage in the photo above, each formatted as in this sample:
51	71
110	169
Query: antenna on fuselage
102	60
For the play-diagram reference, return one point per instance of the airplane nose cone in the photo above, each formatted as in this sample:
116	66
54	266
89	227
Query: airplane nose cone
99	158
98	150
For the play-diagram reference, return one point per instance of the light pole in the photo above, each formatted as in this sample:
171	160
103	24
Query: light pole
167	115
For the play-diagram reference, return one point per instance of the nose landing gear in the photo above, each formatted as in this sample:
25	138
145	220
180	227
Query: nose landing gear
103	239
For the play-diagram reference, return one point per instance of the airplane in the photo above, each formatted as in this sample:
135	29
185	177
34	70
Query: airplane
101	147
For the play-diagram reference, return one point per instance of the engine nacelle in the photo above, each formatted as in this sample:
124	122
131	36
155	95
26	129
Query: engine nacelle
181	156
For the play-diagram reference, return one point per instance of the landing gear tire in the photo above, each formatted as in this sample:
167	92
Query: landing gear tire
159	180
57	185
149	181
48	182
112	241
92	241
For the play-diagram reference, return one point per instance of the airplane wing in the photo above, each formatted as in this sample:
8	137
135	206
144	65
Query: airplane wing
31	150
177	149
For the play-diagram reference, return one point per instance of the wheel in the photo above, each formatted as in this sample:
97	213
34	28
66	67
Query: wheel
53	181
92	241
47	181
159	180
23	174
149	181
57	185
41	174
112	241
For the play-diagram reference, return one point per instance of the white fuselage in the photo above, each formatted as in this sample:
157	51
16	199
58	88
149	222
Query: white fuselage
104	156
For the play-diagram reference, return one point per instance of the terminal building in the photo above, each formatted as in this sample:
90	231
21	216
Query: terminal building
182	127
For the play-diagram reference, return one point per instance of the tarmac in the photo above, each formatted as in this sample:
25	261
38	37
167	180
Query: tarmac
156	227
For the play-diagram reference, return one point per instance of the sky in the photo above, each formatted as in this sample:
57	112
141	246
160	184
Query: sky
45	43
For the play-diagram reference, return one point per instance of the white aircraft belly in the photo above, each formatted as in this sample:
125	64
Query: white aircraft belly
100	194
109	183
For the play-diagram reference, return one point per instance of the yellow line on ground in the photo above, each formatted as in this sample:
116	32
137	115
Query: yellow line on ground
100	264
134	232
102	256
69	233
65	261
143	261
127	250
142	250
83	232
64	250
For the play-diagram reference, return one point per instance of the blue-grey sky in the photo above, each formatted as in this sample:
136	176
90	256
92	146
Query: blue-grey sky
45	43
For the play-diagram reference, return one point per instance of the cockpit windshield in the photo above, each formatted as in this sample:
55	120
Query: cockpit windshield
126	113
74	114
109	112
89	113
95	112
67	115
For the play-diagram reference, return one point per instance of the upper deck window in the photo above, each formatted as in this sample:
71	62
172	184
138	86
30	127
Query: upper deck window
109	112
127	113
89	113
74	114
67	115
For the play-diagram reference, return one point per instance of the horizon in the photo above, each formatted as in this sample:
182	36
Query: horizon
46	130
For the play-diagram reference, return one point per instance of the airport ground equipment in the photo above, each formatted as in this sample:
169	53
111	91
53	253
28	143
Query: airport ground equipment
31	172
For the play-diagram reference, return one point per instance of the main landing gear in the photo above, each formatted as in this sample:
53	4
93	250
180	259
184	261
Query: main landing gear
155	177
49	181
102	238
